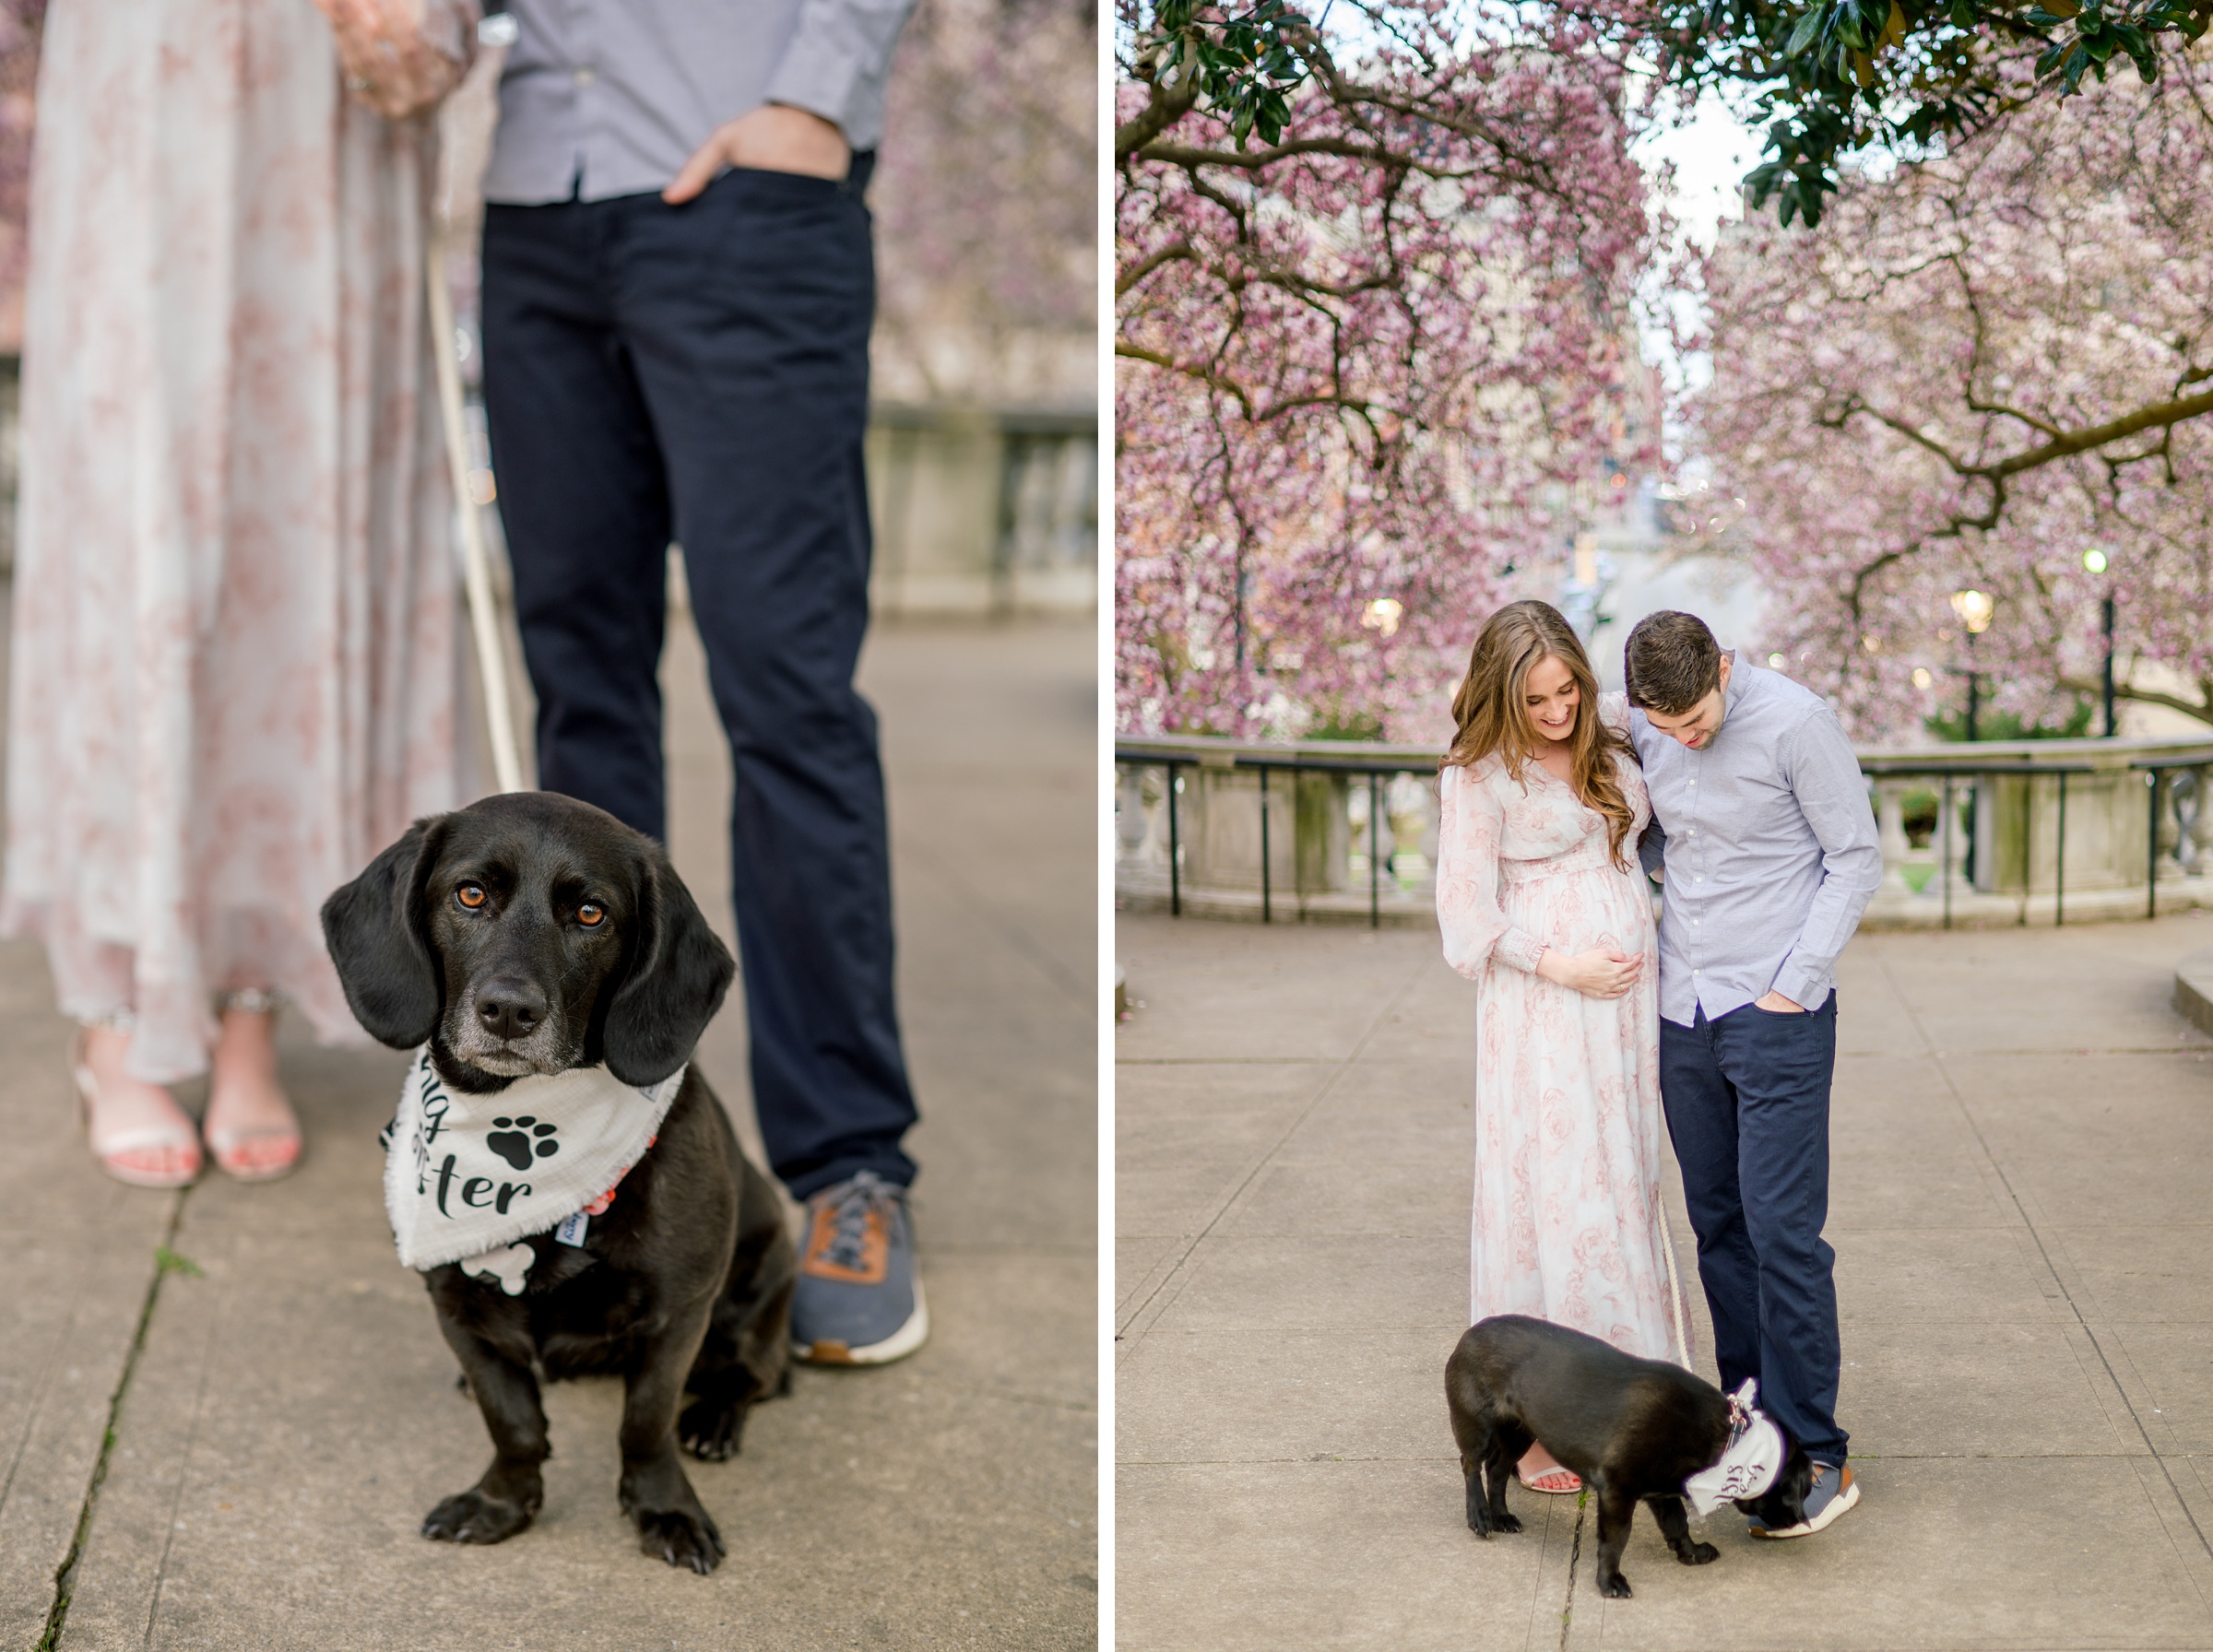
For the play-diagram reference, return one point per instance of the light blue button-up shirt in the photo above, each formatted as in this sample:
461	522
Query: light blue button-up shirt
605	98
1770	847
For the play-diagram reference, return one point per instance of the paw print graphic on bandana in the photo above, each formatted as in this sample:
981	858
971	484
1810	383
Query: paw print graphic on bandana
508	1140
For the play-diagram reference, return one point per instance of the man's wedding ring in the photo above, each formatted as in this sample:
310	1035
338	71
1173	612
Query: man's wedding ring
357	83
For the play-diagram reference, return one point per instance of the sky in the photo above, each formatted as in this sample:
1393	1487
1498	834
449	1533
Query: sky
1712	150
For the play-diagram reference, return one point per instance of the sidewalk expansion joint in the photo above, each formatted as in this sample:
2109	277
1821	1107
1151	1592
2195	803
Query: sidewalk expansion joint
1575	1554
166	1262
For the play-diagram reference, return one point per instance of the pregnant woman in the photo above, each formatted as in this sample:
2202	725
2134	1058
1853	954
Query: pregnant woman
234	673
1543	906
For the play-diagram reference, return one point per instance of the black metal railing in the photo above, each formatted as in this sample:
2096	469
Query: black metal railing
2179	768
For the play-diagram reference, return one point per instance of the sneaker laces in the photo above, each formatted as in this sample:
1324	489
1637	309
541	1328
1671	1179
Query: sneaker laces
850	1207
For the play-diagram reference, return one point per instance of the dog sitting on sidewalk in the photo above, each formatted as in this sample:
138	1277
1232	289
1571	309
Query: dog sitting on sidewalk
572	1193
1631	1428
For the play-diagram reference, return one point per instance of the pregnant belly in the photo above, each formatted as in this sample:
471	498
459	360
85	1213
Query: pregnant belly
1575	911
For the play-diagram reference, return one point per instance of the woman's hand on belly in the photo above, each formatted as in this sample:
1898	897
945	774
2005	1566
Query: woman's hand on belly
1602	972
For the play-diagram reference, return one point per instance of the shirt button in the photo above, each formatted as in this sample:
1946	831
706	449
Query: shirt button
584	77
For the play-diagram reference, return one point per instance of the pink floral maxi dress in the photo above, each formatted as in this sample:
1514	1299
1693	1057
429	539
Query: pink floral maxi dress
235	672
1568	1225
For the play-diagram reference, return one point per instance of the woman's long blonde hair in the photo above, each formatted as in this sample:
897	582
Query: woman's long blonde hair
1492	715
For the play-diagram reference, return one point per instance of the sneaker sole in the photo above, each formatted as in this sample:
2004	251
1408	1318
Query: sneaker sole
1848	1498
896	1346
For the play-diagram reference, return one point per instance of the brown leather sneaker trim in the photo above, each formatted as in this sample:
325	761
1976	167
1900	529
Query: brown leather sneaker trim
875	1250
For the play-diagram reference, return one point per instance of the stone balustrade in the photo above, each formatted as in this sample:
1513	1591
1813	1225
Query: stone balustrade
2022	832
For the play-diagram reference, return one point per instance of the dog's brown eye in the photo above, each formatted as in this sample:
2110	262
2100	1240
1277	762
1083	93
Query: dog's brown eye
471	895
591	914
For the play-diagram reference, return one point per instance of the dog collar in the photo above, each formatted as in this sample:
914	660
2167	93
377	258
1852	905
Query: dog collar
468	1177
1749	1462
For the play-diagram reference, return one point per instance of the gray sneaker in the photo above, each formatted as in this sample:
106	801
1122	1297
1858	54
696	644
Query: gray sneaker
1832	1492
859	1302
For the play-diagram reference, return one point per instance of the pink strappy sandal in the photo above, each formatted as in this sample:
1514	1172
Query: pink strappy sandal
113	1149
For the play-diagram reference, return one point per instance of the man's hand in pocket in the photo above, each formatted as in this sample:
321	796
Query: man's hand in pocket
1774	1003
775	138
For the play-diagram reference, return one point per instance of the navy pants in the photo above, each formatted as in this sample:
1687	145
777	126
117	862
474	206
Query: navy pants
1747	1108
701	373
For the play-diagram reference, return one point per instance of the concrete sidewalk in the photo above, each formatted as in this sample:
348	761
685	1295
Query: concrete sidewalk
2023	1140
291	1413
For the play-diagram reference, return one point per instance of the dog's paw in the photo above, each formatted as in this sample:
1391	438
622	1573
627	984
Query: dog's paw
1700	1554
681	1538
712	1431
472	1517
1615	1588
1506	1522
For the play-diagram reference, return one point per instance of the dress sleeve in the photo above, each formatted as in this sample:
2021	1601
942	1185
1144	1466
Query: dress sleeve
1613	712
1470	826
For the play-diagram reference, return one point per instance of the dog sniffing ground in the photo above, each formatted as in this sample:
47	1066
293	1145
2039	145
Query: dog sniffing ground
2022	1137
292	1411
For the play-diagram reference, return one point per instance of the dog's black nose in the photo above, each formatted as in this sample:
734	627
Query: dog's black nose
510	1007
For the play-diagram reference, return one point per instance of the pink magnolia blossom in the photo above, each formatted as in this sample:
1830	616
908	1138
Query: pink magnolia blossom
1362	372
1923	397
986	203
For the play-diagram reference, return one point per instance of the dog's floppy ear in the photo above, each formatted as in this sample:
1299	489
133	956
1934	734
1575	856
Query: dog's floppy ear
375	931
679	971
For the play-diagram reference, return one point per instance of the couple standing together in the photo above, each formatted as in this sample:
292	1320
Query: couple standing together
236	666
1739	787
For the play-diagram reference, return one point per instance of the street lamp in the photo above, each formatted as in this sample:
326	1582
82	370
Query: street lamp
2094	560
1974	609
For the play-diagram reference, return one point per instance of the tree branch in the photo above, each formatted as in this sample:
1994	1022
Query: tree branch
1152	261
1163	108
2083	685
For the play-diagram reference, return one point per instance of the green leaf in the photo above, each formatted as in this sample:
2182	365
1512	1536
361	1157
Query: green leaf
1803	36
168	1261
1848	27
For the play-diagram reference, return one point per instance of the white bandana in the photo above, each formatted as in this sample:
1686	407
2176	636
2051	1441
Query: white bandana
468	1177
1750	1462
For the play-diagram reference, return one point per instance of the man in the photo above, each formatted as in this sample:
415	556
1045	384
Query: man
679	285
1762	823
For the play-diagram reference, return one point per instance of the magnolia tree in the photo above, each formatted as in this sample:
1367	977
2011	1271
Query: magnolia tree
1364	363
1988	372
986	204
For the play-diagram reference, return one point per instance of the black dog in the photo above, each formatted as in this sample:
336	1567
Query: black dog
528	934
1631	1428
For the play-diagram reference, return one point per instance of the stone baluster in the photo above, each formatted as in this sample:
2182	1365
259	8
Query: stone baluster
2173	800
2194	845
1133	828
1412	835
1433	821
1890	832
1949	839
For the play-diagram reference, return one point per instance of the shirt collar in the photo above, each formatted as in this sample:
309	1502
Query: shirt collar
1733	694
